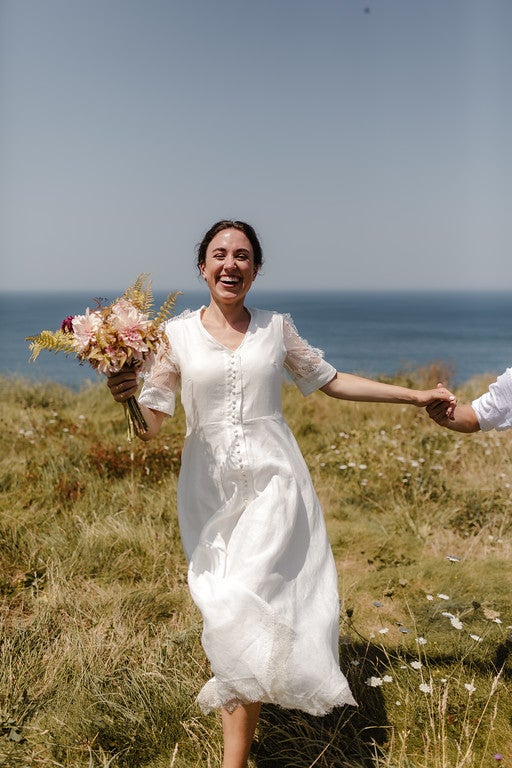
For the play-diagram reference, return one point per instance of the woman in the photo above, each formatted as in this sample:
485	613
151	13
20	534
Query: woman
260	566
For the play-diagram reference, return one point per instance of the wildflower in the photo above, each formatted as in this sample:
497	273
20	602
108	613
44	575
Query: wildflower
67	324
453	558
477	638
383	631
425	688
343	466
387	679
421	641
404	631
497	756
362	466
469	687
441	596
374	682
416	664
429	597
456	622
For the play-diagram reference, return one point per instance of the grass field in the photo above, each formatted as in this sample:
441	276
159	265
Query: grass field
100	654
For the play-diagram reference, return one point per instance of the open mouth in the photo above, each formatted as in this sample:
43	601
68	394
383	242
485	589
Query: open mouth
229	281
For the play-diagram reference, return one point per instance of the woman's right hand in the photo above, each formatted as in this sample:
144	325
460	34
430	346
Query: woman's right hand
123	385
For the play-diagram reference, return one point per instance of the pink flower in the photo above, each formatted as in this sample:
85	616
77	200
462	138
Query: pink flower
131	324
84	328
111	360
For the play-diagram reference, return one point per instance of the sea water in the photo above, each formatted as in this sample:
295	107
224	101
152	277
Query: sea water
367	333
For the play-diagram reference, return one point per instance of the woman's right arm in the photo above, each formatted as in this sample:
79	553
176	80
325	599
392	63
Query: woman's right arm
123	385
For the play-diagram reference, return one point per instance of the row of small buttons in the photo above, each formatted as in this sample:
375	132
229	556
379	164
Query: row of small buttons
235	419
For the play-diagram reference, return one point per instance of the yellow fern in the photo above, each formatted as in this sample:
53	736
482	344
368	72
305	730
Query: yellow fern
140	293
166	310
54	341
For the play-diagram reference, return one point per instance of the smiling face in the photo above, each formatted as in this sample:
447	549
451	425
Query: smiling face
229	268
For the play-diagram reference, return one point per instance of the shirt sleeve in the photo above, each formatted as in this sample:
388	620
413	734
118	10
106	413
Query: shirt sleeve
494	408
161	382
305	364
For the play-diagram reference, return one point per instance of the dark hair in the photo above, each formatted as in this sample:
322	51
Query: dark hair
248	231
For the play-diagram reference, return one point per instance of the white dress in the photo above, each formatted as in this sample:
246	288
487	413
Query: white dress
261	570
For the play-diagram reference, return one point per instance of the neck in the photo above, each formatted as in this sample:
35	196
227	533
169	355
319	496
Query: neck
226	313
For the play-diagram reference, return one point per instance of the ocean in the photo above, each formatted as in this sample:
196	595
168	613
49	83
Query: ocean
369	333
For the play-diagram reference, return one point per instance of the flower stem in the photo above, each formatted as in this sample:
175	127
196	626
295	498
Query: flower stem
137	424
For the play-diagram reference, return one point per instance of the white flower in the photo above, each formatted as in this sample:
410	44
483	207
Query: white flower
453	558
374	682
456	623
447	615
383	631
469	687
421	641
387	679
425	688
441	596
362	466
416	664
429	597
477	638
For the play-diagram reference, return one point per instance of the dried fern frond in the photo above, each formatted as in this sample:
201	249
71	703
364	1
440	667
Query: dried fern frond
55	341
140	293
166	310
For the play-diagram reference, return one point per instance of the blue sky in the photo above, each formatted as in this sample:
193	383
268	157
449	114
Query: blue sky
371	150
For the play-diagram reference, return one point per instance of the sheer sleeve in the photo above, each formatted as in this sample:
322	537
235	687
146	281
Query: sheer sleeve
161	382
494	408
304	363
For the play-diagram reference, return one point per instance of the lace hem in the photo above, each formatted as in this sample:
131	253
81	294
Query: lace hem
216	695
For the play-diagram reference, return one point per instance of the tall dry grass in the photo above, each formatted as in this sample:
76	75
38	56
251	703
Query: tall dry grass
100	655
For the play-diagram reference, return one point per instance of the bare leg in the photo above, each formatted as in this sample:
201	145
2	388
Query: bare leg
239	727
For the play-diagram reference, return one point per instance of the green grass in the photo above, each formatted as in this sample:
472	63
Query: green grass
100	654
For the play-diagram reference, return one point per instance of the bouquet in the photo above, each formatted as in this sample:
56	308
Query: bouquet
122	334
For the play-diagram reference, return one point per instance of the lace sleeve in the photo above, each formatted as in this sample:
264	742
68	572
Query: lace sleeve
304	363
161	382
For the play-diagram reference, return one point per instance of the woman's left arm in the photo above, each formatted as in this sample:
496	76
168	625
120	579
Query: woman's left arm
347	386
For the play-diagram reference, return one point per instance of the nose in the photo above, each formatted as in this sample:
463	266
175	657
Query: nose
229	262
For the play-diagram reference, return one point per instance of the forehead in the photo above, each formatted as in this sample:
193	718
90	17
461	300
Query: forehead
230	239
